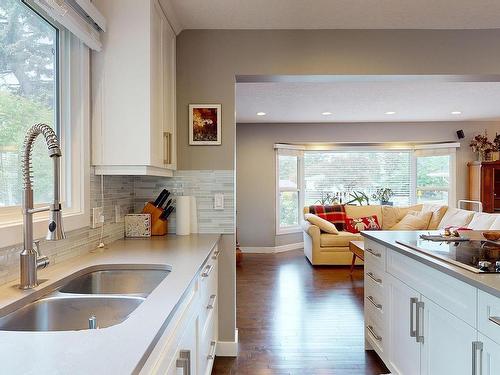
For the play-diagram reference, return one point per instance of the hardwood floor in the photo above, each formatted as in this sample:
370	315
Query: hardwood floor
297	319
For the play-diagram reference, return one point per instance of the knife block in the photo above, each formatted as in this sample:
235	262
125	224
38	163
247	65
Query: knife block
158	227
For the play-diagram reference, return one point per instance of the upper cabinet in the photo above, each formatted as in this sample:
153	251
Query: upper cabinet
133	81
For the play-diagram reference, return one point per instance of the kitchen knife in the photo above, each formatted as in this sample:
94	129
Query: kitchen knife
166	213
168	204
163	200
160	197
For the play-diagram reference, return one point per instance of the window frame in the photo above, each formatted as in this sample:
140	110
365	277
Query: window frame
299	190
73	128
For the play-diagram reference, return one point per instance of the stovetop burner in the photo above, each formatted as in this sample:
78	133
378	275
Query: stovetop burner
475	256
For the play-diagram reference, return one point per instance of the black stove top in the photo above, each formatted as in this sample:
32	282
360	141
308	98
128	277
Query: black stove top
475	256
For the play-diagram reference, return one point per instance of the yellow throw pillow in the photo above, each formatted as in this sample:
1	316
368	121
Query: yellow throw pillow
414	221
322	224
438	212
391	215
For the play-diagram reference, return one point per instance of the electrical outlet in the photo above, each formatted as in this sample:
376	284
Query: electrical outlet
219	201
97	217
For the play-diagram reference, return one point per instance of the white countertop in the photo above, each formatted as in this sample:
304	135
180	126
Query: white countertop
117	349
489	283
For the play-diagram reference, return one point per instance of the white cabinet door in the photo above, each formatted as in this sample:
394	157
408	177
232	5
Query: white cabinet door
490	357
447	344
185	360
169	102
404	351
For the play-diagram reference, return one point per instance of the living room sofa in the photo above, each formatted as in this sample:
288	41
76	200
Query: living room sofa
333	249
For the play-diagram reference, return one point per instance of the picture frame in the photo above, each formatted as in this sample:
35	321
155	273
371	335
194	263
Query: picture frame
205	124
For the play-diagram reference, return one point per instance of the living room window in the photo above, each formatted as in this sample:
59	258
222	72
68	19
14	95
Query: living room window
289	201
416	174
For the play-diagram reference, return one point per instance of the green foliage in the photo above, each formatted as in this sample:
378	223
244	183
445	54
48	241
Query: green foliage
383	194
359	197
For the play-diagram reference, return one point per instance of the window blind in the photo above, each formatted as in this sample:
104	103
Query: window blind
347	171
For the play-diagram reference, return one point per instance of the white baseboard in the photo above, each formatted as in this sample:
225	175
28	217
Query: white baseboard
228	348
273	249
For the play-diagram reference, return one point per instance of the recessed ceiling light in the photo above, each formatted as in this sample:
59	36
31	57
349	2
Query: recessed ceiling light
261	113
326	113
456	113
390	113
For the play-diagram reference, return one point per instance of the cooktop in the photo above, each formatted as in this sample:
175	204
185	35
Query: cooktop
475	256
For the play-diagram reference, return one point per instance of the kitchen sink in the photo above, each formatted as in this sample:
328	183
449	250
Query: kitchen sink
117	281
99	297
70	313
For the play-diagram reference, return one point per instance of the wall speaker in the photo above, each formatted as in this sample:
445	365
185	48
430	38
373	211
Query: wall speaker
460	134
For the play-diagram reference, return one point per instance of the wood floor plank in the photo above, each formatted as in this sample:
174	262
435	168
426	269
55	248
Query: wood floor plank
297	319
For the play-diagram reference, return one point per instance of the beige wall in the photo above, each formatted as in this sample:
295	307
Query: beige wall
255	181
208	60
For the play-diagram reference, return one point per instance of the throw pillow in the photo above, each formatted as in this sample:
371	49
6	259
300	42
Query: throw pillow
391	215
322	224
438	212
414	221
356	225
334	214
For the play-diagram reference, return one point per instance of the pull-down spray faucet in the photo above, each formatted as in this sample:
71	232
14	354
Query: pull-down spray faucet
31	259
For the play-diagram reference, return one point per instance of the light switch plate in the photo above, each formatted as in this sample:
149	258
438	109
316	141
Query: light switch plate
219	201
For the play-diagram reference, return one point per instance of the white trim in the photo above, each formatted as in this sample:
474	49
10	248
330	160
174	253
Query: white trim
93	13
132	170
359	146
273	249
171	16
299	190
228	348
284	146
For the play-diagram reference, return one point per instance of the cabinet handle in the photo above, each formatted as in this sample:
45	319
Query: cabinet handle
374	334
167	149
374	303
216	254
372	276
420	322
184	362
212	350
208	269
413	332
494	319
211	302
477	346
372	252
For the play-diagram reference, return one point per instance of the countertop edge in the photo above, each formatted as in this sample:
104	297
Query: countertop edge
438	265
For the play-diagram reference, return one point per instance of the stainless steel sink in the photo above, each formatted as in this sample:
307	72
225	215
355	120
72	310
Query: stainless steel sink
100	296
69	313
117	281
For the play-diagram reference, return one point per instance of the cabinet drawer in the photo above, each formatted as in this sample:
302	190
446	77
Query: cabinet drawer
375	305
208	345
374	254
374	335
453	295
208	279
375	277
489	315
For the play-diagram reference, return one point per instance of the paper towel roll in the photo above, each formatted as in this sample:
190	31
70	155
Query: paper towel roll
194	215
182	215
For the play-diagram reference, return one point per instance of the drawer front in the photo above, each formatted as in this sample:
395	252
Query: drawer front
208	279
375	254
208	345
374	335
451	294
375	278
489	315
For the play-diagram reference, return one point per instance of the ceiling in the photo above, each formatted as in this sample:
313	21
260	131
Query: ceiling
335	14
358	101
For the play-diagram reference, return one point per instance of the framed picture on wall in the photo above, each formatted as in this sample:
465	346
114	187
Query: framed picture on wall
204	124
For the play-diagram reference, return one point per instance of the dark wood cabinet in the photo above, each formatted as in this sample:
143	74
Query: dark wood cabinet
484	184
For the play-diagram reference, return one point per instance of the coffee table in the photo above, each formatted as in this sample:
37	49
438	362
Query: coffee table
358	251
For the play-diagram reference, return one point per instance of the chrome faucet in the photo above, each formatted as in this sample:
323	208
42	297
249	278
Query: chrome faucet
31	259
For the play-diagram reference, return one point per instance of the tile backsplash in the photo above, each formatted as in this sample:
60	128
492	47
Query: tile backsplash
130	193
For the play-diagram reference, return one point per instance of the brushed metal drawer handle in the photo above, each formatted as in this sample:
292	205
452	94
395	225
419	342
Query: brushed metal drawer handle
372	300
494	319
184	362
374	334
212	350
372	276
208	269
211	302
477	346
375	254
216	254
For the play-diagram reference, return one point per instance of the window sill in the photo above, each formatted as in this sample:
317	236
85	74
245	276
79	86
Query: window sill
288	230
12	233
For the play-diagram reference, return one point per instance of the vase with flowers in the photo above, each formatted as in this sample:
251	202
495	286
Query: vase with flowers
482	146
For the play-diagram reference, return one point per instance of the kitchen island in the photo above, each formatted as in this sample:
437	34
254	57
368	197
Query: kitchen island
150	339
424	315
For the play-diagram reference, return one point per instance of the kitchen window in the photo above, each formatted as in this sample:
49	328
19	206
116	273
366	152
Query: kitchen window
43	78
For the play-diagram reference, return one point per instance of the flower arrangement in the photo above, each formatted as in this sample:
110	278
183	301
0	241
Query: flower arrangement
481	145
383	195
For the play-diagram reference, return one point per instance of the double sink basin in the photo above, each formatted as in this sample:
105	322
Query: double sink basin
99	297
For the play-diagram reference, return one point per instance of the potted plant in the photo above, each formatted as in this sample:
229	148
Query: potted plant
482	146
383	195
496	147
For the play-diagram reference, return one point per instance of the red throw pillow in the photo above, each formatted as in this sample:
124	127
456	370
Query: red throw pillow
356	225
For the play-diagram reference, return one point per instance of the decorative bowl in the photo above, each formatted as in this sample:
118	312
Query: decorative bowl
492	236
